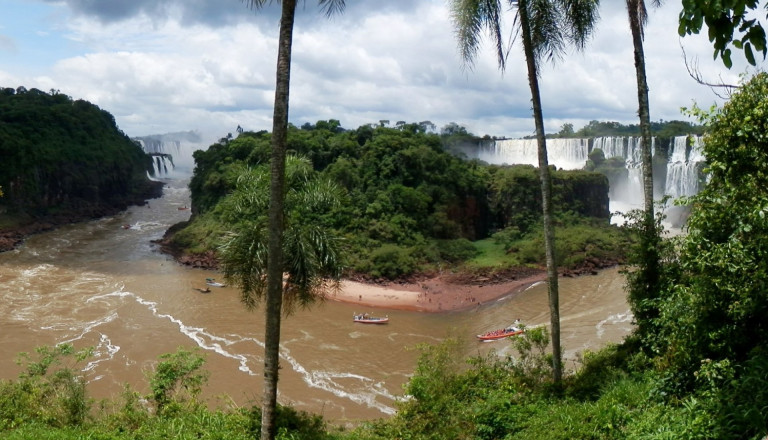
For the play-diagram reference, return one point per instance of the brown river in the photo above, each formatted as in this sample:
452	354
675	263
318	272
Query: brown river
99	285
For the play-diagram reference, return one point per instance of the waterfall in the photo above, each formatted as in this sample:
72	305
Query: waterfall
680	177
628	148
683	167
171	152
568	154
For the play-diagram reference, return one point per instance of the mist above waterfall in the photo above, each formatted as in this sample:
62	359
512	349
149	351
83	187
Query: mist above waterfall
179	146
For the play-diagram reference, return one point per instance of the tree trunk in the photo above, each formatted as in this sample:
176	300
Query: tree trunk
274	299
649	253
546	191
644	107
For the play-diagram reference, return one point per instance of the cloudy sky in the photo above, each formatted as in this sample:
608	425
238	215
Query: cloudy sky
162	66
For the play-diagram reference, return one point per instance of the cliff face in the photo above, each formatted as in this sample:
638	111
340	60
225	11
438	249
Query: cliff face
65	160
515	198
583	192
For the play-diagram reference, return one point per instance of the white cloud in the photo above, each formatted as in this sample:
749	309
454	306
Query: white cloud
393	61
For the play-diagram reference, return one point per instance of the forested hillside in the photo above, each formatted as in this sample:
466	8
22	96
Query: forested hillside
65	159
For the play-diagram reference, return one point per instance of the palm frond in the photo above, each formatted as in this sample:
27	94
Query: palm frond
581	16
312	263
243	259
250	197
311	252
298	170
256	4
318	195
470	19
331	7
547	31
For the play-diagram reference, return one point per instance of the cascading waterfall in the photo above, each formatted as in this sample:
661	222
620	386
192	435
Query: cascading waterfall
683	167
681	176
161	159
568	154
171	152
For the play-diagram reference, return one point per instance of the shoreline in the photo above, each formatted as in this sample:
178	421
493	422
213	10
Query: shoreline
433	295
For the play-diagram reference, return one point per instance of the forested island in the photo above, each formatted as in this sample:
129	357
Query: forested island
406	204
64	160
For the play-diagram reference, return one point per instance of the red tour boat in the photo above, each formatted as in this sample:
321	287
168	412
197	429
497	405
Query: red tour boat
501	333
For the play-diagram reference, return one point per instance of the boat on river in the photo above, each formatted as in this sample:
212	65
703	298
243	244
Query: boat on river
214	283
501	333
365	318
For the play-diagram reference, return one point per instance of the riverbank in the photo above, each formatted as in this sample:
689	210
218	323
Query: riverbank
18	227
436	294
461	290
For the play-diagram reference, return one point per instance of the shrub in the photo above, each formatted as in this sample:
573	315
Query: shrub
177	380
291	424
391	261
455	251
48	390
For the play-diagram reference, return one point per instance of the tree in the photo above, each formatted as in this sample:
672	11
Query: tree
274	288
566	131
546	26
723	19
645	282
713	315
311	263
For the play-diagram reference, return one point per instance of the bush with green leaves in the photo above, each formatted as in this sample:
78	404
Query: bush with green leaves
177	381
49	390
576	242
712	316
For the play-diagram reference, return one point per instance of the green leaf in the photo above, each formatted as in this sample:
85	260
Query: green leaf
748	53
727	58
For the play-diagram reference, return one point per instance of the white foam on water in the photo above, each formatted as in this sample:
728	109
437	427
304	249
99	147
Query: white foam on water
104	351
327	381
202	338
618	318
537	283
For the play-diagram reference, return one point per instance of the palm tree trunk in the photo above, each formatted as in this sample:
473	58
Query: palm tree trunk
650	265
274	299
546	191
644	110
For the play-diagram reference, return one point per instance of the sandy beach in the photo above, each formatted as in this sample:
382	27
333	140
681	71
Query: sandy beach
431	295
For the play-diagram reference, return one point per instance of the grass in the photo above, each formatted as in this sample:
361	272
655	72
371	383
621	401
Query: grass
576	243
492	254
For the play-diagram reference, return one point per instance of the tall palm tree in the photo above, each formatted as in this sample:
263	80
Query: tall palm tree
547	27
274	288
648	277
311	264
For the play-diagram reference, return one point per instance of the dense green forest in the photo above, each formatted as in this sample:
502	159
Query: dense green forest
408	205
65	158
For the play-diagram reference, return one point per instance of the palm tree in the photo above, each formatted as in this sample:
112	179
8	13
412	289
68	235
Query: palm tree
648	276
311	266
546	26
274	288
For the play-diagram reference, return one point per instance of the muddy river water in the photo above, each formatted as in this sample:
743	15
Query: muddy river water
98	284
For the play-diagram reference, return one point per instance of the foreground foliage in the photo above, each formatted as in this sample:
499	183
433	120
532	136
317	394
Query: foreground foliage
713	339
